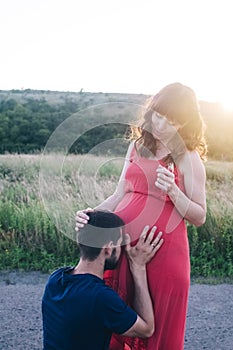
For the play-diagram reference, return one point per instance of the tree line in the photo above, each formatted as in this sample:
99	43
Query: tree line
25	127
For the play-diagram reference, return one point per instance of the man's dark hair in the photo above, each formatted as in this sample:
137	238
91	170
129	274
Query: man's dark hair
102	228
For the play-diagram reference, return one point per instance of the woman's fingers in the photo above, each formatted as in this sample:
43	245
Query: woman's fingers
165	174
78	226
81	215
82	218
88	210
165	179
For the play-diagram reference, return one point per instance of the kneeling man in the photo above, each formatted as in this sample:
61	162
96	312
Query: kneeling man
81	312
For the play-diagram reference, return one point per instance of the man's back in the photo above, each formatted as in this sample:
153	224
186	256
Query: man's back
81	312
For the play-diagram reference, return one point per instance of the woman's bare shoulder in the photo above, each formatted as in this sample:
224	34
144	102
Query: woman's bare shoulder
189	161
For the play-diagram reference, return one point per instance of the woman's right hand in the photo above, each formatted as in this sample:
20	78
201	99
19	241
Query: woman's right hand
81	218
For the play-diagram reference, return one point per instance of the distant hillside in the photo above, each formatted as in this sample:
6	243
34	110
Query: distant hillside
28	118
61	97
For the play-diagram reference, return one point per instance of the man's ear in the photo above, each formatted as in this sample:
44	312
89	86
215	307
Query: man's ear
108	248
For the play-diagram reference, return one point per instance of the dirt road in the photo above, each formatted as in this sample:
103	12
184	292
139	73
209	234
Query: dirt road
209	319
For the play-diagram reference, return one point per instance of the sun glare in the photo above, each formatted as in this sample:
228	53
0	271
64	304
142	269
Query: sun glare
227	103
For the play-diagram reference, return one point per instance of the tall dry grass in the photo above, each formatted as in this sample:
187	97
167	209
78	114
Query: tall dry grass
39	197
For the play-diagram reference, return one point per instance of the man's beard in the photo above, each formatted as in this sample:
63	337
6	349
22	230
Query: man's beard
111	263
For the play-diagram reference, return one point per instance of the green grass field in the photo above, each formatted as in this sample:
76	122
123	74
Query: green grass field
39	198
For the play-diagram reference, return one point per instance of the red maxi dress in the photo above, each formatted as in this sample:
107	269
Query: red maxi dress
168	272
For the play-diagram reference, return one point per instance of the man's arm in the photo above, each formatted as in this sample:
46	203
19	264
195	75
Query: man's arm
138	257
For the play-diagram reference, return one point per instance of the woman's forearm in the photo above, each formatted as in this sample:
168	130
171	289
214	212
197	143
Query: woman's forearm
189	210
110	203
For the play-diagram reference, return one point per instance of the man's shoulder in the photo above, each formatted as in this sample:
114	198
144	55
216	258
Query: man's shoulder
59	271
107	296
113	312
57	275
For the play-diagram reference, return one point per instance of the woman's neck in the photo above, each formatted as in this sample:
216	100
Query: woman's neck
162	151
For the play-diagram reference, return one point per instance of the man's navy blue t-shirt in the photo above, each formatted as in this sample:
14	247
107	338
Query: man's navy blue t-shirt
80	312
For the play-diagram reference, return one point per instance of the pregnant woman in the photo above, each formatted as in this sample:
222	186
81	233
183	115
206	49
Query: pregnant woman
162	184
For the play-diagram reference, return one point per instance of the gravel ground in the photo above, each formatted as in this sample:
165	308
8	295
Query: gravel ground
209	319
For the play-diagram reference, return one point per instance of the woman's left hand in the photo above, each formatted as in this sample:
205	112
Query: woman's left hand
165	179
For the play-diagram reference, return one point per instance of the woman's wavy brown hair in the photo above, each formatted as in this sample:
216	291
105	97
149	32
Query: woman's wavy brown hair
179	104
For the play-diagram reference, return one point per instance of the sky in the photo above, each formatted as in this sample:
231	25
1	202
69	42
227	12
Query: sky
127	46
